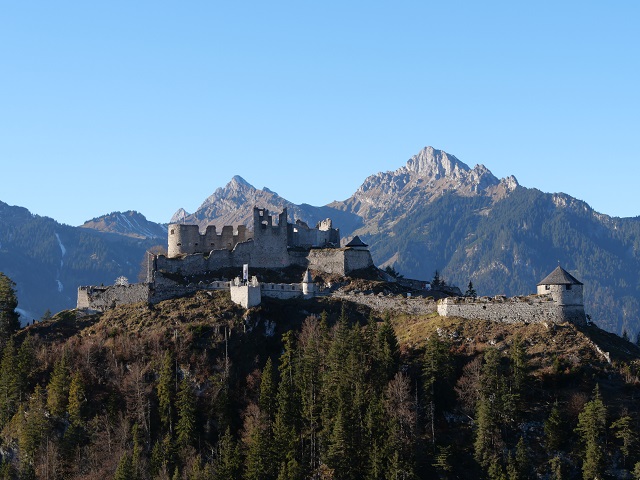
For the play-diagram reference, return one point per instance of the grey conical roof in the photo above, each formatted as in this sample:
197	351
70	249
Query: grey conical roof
560	277
356	242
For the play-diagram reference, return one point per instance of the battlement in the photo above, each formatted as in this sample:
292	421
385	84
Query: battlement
187	239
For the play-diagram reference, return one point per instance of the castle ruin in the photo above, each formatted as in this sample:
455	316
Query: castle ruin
270	245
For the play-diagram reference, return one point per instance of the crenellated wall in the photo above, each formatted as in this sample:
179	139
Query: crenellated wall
187	239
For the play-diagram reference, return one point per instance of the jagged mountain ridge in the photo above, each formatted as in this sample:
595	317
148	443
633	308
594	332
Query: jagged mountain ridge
129	223
386	197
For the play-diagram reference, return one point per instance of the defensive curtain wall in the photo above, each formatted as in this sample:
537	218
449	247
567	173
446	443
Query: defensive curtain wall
559	299
103	298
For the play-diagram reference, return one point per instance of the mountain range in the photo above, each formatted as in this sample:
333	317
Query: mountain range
433	213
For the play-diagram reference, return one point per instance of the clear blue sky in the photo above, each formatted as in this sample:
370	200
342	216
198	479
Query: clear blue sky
152	105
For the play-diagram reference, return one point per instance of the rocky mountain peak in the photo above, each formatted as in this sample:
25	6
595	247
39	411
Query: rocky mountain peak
180	214
435	164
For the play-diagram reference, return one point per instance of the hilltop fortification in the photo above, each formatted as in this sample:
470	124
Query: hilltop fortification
270	245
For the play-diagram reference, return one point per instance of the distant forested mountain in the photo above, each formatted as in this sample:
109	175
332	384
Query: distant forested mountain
48	260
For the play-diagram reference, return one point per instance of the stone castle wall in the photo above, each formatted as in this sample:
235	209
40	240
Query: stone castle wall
530	309
392	303
187	239
103	298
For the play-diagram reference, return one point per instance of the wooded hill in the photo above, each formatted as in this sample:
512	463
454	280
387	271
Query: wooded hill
199	388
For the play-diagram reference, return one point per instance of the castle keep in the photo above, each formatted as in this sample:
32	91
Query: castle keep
559	298
269	245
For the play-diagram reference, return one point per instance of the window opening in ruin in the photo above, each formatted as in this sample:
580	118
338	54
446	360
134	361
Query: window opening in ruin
179	244
547	287
172	232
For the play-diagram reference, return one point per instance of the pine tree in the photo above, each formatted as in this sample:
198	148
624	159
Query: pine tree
437	371
518	363
267	400
522	460
25	363
387	354
555	467
58	387
471	292
490	410
186	406
591	429
227	464
34	426
9	383
288	405
125	468
76	401
9	319
166	392
624	432
554	430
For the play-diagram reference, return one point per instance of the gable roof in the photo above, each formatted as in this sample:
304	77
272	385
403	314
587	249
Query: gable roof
356	242
560	277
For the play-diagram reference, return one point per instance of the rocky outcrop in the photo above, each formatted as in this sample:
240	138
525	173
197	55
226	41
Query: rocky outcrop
426	176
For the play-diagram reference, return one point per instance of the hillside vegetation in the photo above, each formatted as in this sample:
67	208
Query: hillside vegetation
200	388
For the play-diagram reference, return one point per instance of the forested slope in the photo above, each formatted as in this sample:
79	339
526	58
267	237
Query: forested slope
198	388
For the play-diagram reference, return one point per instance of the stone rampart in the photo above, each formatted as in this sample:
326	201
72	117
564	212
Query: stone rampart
103	298
283	291
393	303
530	309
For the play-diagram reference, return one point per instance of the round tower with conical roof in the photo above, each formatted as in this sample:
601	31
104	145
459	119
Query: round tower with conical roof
566	291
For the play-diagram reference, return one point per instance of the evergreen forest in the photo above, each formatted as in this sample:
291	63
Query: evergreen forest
199	388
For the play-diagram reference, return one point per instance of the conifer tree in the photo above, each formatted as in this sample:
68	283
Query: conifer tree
471	292
186	407
166	392
554	430
227	464
437	370
623	431
9	319
311	354
58	387
76	401
34	426
25	363
591	429
9	383
125	468
388	351
267	399
490	410
288	405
